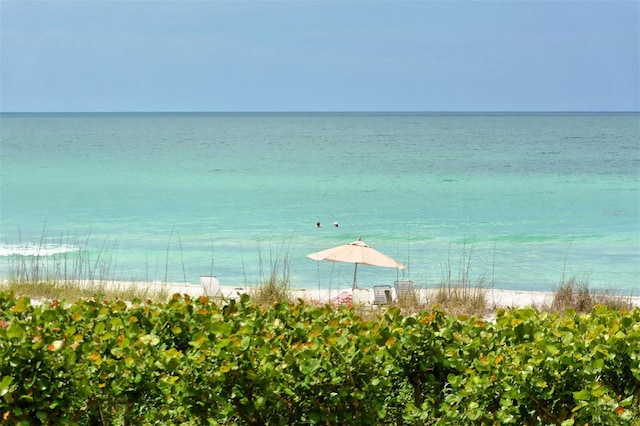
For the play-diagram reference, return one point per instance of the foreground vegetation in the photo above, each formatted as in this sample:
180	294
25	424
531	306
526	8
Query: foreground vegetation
200	361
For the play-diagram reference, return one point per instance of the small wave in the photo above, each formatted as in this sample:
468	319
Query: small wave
529	238
35	249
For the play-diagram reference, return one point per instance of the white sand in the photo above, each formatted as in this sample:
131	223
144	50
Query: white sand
496	298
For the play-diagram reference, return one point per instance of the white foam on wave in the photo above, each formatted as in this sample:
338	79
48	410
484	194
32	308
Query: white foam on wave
30	249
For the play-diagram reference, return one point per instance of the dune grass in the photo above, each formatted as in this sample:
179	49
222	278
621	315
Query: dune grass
82	274
274	286
461	293
74	274
76	290
577	294
65	259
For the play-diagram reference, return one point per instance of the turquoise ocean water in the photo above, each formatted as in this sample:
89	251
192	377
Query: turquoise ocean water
519	199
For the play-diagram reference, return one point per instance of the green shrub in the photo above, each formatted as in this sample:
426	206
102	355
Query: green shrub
198	361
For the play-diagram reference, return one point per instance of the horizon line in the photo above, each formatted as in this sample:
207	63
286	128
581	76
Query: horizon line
330	112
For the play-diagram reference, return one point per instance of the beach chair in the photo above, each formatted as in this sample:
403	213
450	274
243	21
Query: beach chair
211	286
405	292
382	295
360	296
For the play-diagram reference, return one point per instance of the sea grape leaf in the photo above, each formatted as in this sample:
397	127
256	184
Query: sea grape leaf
15	330
21	306
5	384
583	395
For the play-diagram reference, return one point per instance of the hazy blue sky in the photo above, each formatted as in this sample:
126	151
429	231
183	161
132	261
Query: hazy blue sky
319	55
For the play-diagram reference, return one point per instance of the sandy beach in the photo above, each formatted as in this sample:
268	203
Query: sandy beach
497	298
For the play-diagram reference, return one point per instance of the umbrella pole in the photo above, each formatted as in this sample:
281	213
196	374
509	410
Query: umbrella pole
355	271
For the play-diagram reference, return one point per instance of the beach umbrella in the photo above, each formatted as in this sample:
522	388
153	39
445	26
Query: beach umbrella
357	252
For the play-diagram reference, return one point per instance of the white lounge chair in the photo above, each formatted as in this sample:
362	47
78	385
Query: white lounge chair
360	296
405	292
382	295
211	286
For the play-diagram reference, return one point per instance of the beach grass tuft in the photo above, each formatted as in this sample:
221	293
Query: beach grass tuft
577	294
469	299
459	292
274	286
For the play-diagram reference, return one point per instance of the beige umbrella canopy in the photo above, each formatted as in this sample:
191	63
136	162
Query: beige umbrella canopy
356	252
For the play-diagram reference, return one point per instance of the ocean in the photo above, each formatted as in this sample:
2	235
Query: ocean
515	201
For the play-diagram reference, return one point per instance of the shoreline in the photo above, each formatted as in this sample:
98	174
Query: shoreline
496	298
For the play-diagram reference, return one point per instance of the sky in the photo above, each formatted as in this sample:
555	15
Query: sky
384	55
